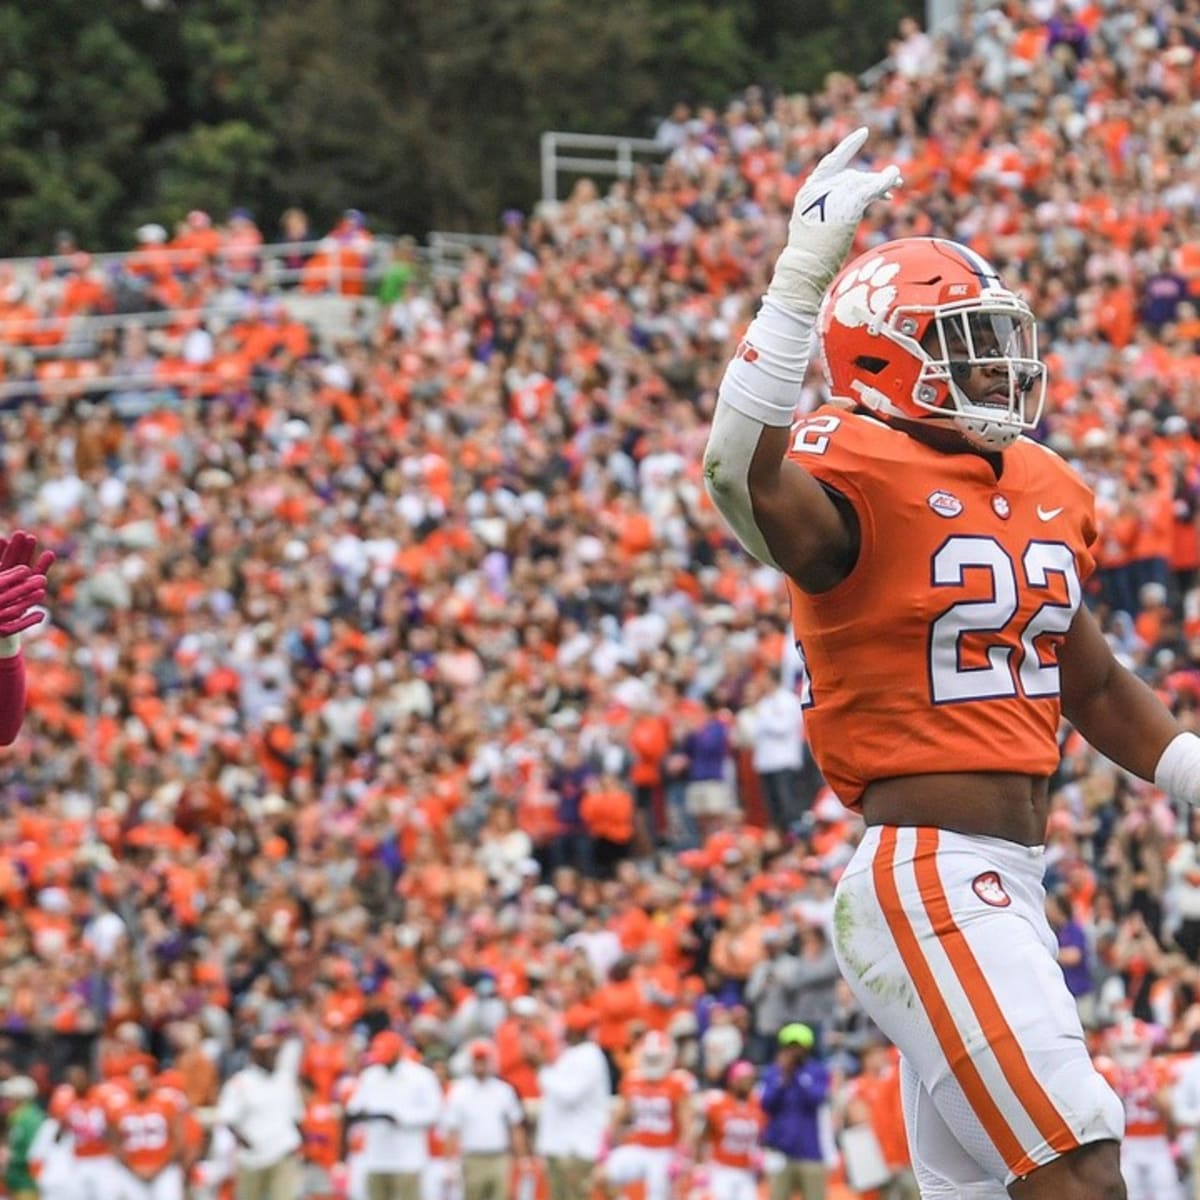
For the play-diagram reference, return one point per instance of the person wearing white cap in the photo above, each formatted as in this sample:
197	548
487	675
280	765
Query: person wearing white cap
485	1124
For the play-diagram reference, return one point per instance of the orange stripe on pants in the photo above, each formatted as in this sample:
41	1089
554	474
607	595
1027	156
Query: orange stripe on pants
1000	1037
938	1012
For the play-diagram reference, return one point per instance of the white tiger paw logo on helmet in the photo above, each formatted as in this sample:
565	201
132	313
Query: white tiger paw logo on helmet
866	293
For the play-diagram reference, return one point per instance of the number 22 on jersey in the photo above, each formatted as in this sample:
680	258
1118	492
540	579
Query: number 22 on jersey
950	682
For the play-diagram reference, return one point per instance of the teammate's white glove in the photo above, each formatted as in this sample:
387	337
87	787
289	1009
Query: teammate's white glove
824	219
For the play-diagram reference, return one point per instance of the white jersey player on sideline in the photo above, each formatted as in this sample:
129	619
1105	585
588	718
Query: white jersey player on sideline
52	1152
1143	1084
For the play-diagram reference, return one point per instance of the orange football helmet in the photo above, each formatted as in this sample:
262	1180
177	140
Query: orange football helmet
872	332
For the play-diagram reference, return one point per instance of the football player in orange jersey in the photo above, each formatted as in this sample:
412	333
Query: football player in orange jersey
1144	1085
653	1116
935	559
147	1139
732	1125
85	1122
323	1129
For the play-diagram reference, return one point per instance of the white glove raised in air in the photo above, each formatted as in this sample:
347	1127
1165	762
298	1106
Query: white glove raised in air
825	216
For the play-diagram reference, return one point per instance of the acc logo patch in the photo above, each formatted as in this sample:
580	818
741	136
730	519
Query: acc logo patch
990	890
945	504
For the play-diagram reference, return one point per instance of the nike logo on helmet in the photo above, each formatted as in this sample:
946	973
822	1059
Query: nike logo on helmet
1047	514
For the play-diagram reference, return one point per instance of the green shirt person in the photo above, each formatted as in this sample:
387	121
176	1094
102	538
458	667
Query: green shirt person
399	273
24	1120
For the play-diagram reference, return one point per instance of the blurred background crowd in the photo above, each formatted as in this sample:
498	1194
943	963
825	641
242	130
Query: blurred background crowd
402	679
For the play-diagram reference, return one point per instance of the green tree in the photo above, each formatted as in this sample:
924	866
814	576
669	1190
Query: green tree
73	114
424	113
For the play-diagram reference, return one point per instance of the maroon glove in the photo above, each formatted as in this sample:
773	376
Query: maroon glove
20	591
18	551
22	581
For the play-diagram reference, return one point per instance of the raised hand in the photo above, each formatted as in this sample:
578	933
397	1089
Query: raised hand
21	591
825	216
19	550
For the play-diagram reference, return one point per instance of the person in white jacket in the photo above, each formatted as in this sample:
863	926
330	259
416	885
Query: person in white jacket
262	1107
52	1151
576	1107
400	1100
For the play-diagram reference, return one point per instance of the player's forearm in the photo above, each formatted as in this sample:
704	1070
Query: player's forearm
1125	721
12	696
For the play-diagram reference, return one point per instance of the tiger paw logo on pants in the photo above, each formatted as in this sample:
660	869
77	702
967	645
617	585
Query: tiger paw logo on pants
990	890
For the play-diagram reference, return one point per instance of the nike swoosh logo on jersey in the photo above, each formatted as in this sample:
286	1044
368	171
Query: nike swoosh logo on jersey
1047	514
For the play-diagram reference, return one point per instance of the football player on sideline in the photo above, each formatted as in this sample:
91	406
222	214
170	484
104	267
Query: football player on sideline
935	559
22	591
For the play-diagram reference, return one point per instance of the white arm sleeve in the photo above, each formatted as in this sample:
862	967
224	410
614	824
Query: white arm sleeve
1178	769
759	389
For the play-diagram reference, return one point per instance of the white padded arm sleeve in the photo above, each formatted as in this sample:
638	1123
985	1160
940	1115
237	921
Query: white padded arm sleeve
1178	769
759	389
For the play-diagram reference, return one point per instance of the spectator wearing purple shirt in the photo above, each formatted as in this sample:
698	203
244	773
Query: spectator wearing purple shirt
709	794
1162	293
1066	29
1072	952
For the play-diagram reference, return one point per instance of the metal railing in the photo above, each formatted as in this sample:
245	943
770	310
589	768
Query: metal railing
447	251
288	268
608	155
269	257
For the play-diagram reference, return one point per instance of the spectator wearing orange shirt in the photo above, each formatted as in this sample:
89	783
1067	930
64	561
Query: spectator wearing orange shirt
523	1042
617	1004
201	1080
607	810
874	1101
1116	312
738	946
649	742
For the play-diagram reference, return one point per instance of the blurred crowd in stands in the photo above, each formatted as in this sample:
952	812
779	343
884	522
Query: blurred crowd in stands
405	681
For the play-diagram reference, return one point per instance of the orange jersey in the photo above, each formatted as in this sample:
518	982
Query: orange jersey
654	1108
940	647
322	1128
880	1094
145	1132
86	1118
735	1129
1140	1090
